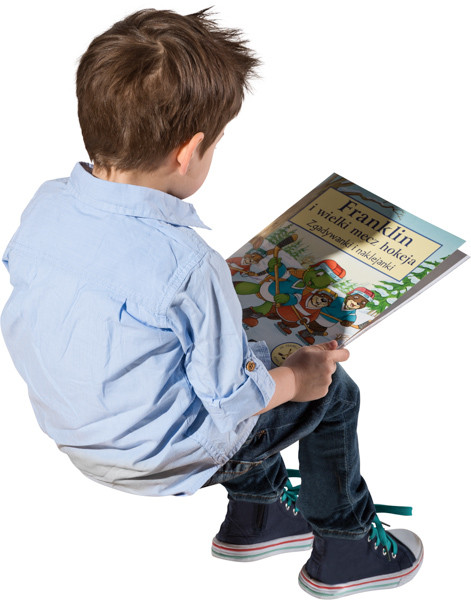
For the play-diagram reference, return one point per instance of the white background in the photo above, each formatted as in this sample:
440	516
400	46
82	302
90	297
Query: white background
376	91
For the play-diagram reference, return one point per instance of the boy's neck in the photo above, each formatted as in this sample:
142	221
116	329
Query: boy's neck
157	180
180	174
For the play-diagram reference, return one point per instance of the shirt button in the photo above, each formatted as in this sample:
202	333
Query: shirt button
250	366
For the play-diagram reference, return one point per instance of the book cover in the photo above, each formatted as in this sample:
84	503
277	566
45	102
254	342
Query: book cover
334	264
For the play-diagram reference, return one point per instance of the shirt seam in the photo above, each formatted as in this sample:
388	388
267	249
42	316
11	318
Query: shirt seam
84	276
181	275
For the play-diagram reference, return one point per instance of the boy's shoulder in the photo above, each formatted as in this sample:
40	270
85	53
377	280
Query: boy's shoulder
135	243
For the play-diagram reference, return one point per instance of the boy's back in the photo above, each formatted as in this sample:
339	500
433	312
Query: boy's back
111	289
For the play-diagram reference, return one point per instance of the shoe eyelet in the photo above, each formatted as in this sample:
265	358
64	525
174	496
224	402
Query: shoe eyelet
287	506
394	555
369	539
376	547
385	553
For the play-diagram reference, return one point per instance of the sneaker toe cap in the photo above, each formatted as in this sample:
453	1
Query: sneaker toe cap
410	540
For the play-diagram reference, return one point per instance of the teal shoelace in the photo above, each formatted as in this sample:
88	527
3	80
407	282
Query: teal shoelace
377	533
291	492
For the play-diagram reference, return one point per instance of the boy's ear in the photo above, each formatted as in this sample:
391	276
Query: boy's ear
186	151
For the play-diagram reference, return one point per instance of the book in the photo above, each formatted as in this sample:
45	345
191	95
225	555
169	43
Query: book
333	265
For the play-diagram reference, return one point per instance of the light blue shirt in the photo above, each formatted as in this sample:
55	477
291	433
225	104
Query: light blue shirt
126	328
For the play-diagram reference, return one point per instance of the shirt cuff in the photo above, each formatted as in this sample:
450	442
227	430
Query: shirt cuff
261	351
253	395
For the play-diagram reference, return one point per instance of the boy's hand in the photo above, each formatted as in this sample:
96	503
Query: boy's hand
313	367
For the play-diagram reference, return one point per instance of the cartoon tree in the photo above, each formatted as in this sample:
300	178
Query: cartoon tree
281	234
387	293
344	286
297	249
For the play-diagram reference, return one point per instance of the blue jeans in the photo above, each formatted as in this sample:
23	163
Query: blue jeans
334	498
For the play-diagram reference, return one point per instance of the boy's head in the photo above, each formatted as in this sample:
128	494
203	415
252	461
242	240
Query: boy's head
151	82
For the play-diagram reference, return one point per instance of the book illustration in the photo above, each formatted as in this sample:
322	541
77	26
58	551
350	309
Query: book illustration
331	265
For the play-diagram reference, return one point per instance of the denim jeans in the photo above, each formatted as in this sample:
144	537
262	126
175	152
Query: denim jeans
334	497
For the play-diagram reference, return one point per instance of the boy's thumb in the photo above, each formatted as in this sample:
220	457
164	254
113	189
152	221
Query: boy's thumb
332	345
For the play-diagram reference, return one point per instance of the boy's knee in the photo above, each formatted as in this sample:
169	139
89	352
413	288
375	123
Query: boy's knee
344	388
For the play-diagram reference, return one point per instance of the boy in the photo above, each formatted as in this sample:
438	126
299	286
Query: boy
126	327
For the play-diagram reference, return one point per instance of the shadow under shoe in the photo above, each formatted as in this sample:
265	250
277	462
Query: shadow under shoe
380	560
252	531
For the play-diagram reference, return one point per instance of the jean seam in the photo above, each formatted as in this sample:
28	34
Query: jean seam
347	471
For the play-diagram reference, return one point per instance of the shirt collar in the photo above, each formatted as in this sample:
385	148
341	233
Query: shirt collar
131	200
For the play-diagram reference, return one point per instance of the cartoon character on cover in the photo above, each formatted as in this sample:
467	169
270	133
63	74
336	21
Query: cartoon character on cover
249	288
343	310
277	290
243	264
305	314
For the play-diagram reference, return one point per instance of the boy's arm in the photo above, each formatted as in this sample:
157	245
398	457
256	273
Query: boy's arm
220	365
285	388
225	374
306	375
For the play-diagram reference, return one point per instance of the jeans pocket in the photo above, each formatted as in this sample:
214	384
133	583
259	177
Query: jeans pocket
230	470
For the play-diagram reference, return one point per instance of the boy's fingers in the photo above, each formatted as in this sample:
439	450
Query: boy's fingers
340	355
337	354
332	345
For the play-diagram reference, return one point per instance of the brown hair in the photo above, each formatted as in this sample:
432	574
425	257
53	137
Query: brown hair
153	80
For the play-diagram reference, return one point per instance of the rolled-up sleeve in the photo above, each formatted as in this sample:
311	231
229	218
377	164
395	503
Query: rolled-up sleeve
226	373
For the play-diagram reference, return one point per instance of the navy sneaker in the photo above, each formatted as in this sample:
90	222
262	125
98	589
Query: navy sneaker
254	531
380	560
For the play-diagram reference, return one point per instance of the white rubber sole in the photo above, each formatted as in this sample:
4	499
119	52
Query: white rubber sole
381	582
250	552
